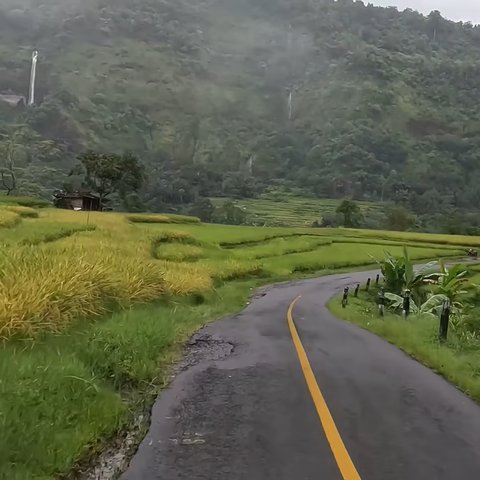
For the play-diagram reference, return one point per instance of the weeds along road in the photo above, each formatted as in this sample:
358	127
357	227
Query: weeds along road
257	412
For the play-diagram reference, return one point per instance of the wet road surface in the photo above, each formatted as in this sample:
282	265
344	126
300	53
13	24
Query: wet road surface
247	413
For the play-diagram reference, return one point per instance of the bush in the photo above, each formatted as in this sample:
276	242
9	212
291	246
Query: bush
328	220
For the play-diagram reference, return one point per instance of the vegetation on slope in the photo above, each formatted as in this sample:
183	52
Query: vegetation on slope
226	97
433	288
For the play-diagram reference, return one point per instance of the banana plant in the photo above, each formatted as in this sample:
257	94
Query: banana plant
450	283
431	307
393	270
400	274
415	278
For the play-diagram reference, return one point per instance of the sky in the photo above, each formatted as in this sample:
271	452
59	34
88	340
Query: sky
466	10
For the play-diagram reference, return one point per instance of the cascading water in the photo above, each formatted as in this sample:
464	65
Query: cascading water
31	97
290	101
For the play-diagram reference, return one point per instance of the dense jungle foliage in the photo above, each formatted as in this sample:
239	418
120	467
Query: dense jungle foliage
322	98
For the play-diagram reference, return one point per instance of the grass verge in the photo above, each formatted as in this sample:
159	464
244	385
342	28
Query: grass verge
63	398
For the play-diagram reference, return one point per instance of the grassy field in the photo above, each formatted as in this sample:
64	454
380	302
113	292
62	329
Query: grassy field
458	360
291	211
94	308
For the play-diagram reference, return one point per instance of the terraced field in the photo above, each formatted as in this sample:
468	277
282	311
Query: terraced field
94	308
290	211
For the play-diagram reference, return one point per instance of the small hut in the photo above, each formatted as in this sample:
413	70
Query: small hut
13	100
77	201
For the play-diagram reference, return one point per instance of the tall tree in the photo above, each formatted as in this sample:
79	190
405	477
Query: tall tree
12	146
105	174
351	212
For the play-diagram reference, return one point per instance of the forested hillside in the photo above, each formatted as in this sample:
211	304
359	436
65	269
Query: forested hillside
233	97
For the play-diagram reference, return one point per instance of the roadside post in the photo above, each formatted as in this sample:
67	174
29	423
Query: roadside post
377	279
367	288
345	297
357	288
406	303
444	320
381	302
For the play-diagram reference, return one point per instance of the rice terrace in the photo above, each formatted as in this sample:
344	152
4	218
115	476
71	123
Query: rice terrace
95	307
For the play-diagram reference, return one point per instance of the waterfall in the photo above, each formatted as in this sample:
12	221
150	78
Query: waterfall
290	99
31	98
250	164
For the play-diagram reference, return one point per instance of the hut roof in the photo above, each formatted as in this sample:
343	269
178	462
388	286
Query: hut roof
12	100
77	195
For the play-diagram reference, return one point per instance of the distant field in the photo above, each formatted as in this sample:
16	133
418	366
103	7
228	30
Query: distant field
93	307
289	211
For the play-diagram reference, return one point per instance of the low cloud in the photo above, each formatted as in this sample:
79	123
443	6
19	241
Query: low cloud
465	10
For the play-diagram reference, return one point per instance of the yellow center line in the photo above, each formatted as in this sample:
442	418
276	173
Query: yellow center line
344	462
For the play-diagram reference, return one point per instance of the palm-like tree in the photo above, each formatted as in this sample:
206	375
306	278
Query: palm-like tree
431	307
400	274
450	282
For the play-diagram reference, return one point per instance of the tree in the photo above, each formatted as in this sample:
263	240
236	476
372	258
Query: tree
203	209
230	214
399	218
352	216
11	147
400	274
105	174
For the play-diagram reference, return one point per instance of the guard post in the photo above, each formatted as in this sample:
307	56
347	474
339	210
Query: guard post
444	320
345	297
406	303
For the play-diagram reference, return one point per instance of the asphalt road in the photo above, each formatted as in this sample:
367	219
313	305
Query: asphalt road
250	414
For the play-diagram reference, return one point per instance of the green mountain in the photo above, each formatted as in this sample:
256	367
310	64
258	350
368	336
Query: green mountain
235	97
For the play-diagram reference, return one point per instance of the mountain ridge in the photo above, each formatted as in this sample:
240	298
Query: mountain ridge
383	103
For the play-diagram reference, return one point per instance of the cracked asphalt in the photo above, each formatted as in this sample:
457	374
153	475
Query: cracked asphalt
245	412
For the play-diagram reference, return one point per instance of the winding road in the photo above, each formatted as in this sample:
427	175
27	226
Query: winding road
332	402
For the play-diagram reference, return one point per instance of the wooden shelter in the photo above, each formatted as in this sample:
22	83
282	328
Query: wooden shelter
77	201
13	100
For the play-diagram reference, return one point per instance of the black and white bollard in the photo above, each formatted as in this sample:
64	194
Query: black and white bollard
444	320
345	297
406	303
